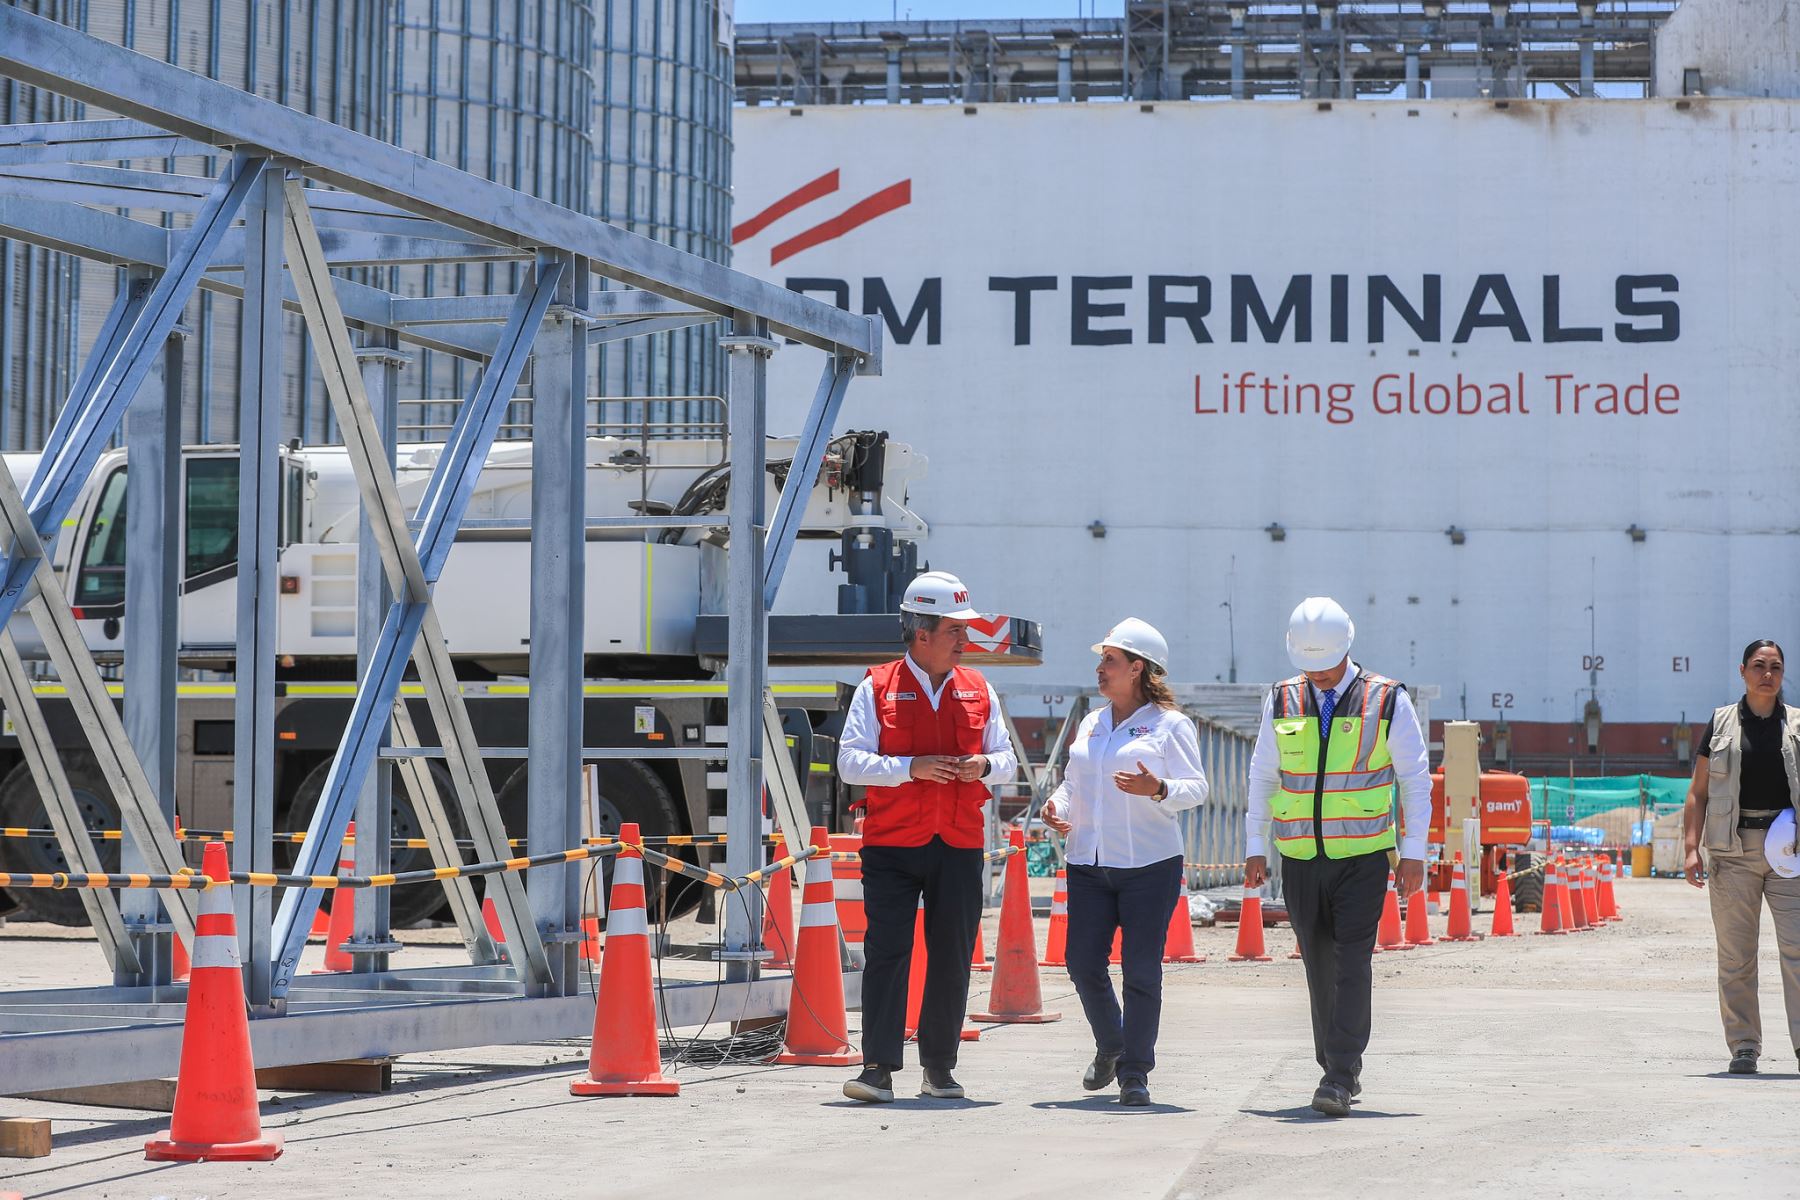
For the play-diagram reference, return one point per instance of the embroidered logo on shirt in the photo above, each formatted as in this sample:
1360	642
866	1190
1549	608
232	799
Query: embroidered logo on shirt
966	695
1139	730
903	695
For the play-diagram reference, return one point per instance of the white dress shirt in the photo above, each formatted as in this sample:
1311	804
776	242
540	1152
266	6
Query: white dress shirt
861	762
1412	773
1113	828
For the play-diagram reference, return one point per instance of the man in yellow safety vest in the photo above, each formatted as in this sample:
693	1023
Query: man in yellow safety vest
1336	744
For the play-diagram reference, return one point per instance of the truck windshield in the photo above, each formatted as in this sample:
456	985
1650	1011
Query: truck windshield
101	580
212	515
209	543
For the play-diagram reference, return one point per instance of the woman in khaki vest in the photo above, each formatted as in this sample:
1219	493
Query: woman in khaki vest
1745	776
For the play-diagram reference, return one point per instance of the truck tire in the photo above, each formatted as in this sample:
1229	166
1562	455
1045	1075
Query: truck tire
629	792
408	905
20	805
1528	890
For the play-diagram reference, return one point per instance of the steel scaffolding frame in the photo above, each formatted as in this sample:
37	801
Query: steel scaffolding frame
298	198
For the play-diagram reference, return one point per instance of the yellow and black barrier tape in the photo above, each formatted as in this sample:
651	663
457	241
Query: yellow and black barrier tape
193	880
226	835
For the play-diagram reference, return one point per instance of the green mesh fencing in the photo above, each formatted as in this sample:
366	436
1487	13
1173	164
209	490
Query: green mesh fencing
1619	809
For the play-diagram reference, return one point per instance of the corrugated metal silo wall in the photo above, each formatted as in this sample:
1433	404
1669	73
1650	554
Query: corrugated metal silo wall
323	57
662	168
502	89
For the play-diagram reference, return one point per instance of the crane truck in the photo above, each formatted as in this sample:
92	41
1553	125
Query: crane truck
654	650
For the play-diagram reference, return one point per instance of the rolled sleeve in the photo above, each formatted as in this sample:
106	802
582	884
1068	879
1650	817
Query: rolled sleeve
1185	777
860	760
1265	781
1412	774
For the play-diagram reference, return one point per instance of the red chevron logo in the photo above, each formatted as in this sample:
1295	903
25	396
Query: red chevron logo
889	198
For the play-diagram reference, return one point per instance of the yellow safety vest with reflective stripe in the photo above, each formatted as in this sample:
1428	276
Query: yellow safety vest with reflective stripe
1344	807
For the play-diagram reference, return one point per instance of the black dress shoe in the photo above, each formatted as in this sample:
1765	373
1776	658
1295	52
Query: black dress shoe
1332	1100
1743	1062
874	1086
941	1084
1134	1091
1100	1072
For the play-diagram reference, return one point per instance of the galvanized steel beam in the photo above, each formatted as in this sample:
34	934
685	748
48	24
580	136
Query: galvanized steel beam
790	507
45	54
445	501
411	578
152	636
747	632
558	608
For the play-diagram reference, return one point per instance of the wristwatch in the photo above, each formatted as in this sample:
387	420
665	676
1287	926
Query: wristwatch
1162	791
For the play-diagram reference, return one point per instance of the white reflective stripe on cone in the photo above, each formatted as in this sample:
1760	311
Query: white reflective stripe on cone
216	900
847	889
818	870
817	912
216	950
1059	908
625	921
628	870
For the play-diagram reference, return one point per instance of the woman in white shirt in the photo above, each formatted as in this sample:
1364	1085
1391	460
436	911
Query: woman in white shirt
1132	766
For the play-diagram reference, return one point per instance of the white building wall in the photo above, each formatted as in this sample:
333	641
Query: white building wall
1740	48
1031	443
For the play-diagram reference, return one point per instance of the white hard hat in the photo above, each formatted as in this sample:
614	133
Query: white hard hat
938	594
1140	638
1778	846
1319	634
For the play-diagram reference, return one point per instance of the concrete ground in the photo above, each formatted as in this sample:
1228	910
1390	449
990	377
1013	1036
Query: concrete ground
1589	1065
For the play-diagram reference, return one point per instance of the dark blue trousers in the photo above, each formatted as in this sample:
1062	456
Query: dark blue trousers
1138	902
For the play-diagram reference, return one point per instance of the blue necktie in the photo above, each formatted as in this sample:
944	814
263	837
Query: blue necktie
1327	705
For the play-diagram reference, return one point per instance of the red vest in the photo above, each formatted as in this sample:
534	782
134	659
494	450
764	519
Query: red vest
915	812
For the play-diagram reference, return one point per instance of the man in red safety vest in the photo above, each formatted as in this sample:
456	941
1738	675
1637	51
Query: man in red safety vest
925	736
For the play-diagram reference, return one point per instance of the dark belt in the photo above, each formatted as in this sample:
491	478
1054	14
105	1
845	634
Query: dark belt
1760	818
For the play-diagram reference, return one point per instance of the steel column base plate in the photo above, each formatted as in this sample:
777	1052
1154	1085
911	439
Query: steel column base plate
1042	1018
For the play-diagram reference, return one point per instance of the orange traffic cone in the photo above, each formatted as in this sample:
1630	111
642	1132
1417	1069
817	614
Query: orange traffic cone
215	1091
590	939
778	915
1552	921
915	975
818	1032
625	1059
1609	899
1573	889
183	966
1418	925
1460	927
1178	945
1014	998
1590	892
1503	914
1250	930
342	925
1565	911
1117	956
1388	936
915	983
978	961
1056	946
